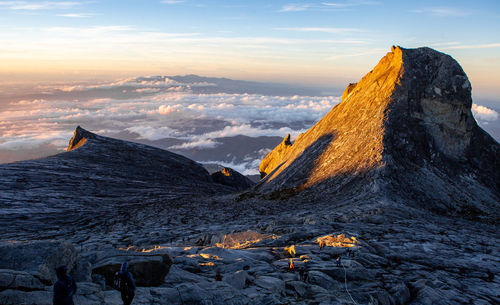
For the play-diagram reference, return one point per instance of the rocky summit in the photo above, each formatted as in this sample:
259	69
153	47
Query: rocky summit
392	198
404	133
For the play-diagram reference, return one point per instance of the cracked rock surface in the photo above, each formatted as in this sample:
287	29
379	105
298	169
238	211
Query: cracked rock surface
409	203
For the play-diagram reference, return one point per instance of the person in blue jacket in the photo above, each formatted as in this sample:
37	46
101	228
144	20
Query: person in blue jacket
64	288
124	282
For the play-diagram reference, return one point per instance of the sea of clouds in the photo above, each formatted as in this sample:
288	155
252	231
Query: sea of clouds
155	108
151	109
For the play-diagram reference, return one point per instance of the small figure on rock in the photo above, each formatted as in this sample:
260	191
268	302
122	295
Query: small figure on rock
291	265
304	274
64	288
338	261
124	282
322	244
218	276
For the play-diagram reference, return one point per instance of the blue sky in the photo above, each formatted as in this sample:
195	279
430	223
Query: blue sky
323	43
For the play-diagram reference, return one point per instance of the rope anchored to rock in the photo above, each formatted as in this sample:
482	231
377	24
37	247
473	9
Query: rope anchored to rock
345	282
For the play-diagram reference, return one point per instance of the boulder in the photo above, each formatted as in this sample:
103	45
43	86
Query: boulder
299	287
20	280
39	258
16	297
238	280
148	270
270	283
89	294
319	278
400	294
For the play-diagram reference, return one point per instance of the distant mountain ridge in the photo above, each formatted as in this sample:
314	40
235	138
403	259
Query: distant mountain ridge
98	177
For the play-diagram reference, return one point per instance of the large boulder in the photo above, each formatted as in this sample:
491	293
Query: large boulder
20	280
147	269
40	259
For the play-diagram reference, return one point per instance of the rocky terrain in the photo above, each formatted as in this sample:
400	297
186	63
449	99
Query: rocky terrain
98	179
412	210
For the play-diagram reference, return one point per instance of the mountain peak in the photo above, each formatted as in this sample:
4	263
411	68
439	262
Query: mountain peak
79	138
409	119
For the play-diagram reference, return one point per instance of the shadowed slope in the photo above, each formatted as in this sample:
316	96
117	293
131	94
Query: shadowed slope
98	180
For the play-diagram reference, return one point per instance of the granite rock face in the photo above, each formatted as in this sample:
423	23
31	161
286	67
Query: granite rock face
95	182
404	132
276	157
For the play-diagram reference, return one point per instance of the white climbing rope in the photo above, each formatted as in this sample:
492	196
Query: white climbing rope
345	282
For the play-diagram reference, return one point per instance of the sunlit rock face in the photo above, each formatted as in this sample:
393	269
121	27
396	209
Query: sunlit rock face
275	157
405	130
79	138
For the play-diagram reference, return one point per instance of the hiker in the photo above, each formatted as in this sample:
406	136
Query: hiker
124	282
218	276
64	288
338	261
291	266
321	244
304	273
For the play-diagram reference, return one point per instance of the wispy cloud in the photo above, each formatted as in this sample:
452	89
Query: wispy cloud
76	15
172	1
198	143
321	29
349	3
443	11
296	7
39	5
474	46
86	31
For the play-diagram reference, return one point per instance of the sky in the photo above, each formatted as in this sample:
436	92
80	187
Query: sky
317	43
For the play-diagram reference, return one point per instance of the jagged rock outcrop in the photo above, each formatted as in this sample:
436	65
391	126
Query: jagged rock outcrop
404	132
229	177
79	138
